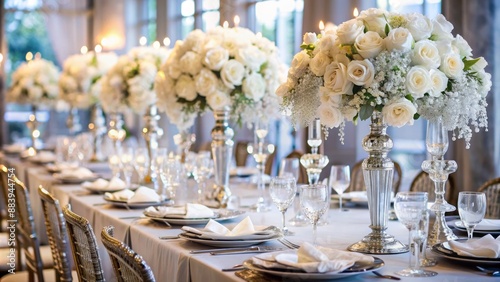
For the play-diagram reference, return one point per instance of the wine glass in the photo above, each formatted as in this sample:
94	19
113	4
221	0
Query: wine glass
172	175
202	171
291	167
283	190
340	178
436	139
115	164
141	163
471	208
411	209
127	161
260	152
314	201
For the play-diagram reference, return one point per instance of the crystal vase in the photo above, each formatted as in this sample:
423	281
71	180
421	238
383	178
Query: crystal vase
151	133
378	172
222	151
73	121
97	127
32	125
116	132
183	140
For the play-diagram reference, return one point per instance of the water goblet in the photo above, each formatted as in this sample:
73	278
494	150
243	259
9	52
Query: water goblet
340	178
282	191
314	201
115	164
127	165
141	163
172	175
471	208
411	209
291	167
202	171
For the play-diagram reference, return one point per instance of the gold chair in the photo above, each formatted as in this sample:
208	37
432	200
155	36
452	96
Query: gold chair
128	265
84	245
492	190
302	171
358	182
57	235
423	183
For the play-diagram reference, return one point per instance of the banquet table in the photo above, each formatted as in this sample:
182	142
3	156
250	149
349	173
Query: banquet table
171	259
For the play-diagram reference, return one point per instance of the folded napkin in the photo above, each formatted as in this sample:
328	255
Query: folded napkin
244	230
79	173
484	247
16	147
59	166
144	195
114	183
123	195
488	225
187	211
44	156
312	259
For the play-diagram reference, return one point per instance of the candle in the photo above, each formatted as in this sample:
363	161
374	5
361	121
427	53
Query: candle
355	12
166	41
236	21
225	24
84	49
156	44
38	55
29	56
143	41
98	48
322	27
1	58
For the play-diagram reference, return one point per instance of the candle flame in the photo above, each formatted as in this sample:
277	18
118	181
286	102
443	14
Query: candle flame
98	48
236	21
29	56
84	50
143	40
225	24
321	25
156	44
355	12
166	41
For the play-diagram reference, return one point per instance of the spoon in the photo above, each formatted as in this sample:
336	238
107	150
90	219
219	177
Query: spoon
234	268
490	272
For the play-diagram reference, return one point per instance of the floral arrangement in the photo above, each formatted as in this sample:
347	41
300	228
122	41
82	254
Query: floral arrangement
130	82
402	65
35	83
225	67
78	81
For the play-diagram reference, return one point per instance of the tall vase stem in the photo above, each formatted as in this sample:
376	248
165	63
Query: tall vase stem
378	172
222	151
73	121
116	132
151	133
32	124
97	126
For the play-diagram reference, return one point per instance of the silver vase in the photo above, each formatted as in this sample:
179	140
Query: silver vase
222	152
97	127
151	133
116	132
378	172
32	125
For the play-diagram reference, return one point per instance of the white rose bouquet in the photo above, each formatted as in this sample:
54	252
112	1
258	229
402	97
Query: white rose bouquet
130	82
402	65
78	83
34	83
224	67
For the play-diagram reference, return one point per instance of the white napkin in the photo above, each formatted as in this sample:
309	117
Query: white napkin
187	211
123	195
244	230
488	225
114	183
62	166
79	173
312	259
484	247
144	195
44	157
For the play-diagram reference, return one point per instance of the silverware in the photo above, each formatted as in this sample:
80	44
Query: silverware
247	249
234	268
490	272
167	237
386	276
253	249
288	244
215	250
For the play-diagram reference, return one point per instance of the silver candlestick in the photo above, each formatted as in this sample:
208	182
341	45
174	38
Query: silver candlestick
97	127
151	133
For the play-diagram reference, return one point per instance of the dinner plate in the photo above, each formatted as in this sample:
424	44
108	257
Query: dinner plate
74	180
141	205
221	215
481	229
100	190
355	197
301	275
229	243
444	250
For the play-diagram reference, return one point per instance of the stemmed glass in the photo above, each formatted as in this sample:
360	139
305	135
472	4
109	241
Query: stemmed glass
471	208
115	164
436	140
203	169
411	209
290	167
283	190
127	161
340	178
141	163
314	201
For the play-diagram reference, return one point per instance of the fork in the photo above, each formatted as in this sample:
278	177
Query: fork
288	244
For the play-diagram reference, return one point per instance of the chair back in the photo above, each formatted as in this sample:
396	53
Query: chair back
26	237
423	183
4	185
492	190
128	265
57	235
302	170
358	182
84	246
241	153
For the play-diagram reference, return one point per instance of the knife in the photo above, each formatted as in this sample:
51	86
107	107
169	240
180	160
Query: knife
216	250
248	250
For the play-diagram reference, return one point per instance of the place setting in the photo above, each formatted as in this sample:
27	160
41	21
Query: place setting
101	185
141	198
75	175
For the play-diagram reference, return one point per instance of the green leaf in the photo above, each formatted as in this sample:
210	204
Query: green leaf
356	88
416	116
387	29
365	112
410	98
469	63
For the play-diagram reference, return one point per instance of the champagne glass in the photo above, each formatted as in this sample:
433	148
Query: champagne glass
314	201
411	209
127	161
141	163
202	171
436	139
471	208
340	178
290	167
283	190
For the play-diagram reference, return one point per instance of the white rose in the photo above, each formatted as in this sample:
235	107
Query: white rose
232	73
310	38
330	115
173	70
254	87
251	57
369	45
374	20
218	100
349	113
35	93
348	31
485	82
441	28
190	62
479	65
419	25
185	87
439	82
452	65
426	54
444	46
319	63
399	39
399	113
194	41
216	58
361	73
205	82
284	88
336	79
327	43
418	81
299	64
463	47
